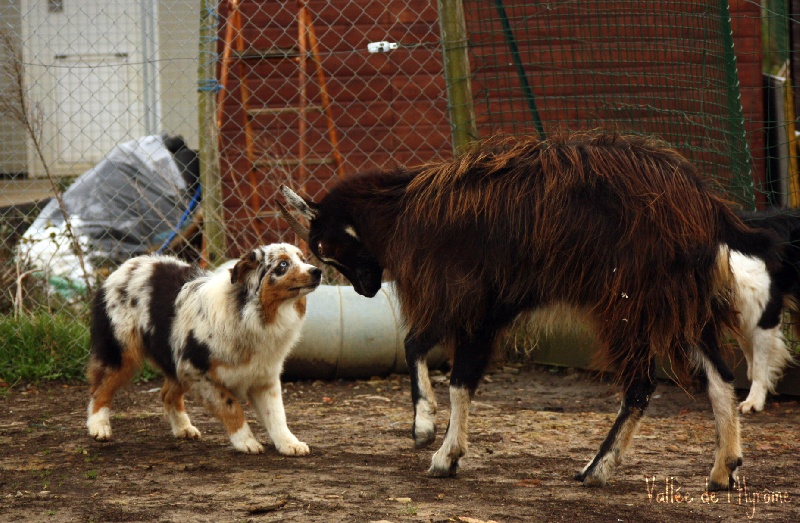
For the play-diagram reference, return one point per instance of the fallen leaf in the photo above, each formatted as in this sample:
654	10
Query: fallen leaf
265	508
465	519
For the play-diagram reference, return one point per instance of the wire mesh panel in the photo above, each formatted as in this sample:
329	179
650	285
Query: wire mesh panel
98	104
303	101
663	67
150	121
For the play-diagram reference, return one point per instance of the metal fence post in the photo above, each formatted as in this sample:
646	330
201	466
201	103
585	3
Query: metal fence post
214	234
457	73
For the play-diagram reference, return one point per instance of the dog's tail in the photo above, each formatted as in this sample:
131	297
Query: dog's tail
105	350
761	243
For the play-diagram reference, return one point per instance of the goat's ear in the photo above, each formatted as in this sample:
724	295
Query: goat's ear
309	210
243	267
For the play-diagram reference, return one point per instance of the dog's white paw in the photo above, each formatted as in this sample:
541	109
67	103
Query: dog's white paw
749	406
100	431
243	441
296	448
249	446
755	399
99	425
189	432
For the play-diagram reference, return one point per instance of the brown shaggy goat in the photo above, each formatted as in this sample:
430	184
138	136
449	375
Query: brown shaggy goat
619	228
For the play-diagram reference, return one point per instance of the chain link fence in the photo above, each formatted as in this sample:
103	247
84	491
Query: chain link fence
166	126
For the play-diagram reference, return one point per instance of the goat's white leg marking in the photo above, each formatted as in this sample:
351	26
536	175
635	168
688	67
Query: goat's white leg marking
425	409
634	402
99	423
445	460
728	454
604	465
268	404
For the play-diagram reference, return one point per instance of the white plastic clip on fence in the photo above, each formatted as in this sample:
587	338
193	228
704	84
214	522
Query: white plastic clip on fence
381	47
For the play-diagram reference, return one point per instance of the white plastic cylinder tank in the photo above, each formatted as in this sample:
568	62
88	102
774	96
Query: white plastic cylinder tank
346	335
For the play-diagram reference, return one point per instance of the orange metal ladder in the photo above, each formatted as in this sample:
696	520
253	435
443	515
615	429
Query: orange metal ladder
235	53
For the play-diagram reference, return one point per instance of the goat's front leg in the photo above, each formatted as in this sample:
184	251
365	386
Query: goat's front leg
417	347
637	397
469	363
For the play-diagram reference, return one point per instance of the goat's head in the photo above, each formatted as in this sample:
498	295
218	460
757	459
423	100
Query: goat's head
334	239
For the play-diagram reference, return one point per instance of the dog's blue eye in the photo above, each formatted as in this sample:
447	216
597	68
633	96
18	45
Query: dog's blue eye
281	268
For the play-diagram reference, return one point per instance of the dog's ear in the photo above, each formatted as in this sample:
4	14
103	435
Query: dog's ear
243	267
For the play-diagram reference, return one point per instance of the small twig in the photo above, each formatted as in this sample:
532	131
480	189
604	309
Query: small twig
18	303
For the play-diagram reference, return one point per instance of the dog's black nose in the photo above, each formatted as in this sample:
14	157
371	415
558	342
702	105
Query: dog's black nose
316	273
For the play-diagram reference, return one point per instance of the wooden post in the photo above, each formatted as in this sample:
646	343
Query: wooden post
457	73
214	234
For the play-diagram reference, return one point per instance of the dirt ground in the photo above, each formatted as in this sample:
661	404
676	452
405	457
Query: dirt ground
531	429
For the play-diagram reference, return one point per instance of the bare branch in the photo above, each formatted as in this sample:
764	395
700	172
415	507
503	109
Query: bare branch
18	107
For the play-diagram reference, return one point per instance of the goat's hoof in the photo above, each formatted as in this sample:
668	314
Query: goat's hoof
716	487
713	486
423	433
423	440
590	480
444	472
724	479
590	476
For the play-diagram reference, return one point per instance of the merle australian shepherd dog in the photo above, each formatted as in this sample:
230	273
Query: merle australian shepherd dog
763	293
224	335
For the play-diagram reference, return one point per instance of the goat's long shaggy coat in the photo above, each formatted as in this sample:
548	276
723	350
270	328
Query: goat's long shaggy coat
621	227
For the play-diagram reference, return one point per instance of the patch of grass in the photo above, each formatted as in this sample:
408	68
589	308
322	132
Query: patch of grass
146	373
41	347
91	474
48	347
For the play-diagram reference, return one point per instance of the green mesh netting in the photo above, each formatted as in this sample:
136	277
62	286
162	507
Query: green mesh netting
666	68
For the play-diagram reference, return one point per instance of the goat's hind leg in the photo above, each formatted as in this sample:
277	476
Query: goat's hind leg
417	346
637	397
728	455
